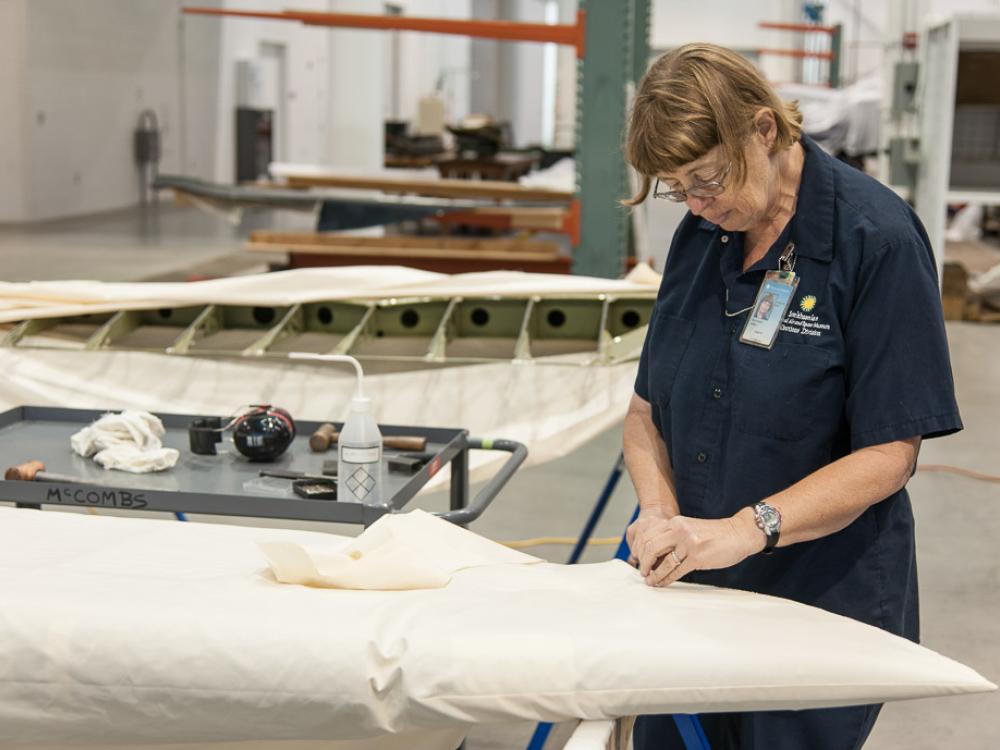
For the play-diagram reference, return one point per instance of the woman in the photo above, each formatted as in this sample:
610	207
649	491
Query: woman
778	466
764	308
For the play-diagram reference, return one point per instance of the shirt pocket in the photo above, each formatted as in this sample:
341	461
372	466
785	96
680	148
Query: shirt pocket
780	393
669	337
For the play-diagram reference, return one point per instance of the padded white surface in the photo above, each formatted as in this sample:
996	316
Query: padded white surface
128	630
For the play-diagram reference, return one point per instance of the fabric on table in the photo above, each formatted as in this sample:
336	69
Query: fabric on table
130	441
414	550
131	631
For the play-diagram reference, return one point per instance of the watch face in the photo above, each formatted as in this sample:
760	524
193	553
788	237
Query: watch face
769	517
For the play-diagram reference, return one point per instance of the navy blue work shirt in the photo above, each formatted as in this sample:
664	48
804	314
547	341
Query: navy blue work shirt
861	360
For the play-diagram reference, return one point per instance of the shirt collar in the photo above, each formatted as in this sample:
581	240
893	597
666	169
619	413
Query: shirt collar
814	209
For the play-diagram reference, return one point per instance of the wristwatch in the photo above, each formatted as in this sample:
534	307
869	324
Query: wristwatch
768	519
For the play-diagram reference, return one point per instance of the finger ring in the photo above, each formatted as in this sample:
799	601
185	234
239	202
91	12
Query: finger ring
673	556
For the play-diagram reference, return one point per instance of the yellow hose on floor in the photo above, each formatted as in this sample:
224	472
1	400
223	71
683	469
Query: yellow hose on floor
541	540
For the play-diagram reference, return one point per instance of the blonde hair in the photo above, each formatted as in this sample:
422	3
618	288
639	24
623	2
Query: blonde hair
693	99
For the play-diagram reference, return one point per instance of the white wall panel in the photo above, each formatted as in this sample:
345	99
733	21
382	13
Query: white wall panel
90	69
13	99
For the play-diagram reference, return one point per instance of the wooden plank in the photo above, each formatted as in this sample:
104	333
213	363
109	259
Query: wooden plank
404	253
282	240
490	189
559	264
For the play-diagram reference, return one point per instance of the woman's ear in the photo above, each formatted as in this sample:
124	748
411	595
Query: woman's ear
766	126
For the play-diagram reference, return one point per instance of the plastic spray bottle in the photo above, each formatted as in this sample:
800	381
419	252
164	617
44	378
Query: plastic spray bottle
359	456
359	446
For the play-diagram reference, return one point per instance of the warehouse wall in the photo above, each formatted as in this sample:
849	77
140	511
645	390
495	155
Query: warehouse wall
303	113
337	85
426	56
14	97
508	76
90	69
676	23
76	76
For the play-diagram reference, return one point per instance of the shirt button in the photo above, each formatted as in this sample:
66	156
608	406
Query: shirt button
702	457
724	239
732	328
716	393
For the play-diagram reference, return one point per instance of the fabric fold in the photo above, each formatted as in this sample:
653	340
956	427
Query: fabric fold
401	551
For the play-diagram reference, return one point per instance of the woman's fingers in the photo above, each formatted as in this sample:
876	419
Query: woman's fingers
675	566
645	528
654	547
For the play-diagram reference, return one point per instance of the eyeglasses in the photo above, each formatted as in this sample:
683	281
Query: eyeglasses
708	189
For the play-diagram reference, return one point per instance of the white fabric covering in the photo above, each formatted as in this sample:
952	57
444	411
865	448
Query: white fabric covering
19	301
552	407
130	441
398	552
131	630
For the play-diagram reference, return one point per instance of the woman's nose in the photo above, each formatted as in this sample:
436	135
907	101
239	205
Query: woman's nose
697	205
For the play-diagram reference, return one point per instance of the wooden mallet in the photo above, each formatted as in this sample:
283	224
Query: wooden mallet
326	435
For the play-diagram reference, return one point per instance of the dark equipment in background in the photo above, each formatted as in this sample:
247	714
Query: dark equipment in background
261	434
147	151
254	145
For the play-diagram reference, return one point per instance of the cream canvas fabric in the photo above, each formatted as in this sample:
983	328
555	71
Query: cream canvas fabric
400	552
138	631
20	301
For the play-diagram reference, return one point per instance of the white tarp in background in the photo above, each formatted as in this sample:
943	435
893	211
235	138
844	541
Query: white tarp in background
551	408
845	119
133	630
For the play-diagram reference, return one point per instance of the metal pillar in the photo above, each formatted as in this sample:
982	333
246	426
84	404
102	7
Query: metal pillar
609	64
641	16
837	50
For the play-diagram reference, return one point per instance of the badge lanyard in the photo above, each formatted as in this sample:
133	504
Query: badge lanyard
772	303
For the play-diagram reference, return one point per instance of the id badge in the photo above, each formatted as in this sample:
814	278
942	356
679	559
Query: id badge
769	309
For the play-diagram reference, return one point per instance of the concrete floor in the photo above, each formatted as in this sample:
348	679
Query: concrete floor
958	519
161	242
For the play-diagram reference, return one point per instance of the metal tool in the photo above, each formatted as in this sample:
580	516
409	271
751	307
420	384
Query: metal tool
407	463
286	474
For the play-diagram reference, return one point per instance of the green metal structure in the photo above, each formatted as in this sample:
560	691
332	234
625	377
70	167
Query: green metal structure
616	54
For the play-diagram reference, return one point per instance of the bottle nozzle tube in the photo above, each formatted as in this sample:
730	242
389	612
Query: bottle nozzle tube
359	391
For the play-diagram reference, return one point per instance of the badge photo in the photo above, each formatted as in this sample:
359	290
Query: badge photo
769	309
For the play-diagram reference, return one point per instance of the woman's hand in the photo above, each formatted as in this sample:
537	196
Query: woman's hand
646	516
668	549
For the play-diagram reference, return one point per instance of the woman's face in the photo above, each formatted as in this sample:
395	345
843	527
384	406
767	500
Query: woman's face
765	307
734	209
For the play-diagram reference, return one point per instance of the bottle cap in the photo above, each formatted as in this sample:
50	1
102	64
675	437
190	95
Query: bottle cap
360	404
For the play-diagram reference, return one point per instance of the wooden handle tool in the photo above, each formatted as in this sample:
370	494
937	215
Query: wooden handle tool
24	472
321	440
34	471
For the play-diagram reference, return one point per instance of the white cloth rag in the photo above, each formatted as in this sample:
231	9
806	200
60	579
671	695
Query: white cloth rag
130	441
400	551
